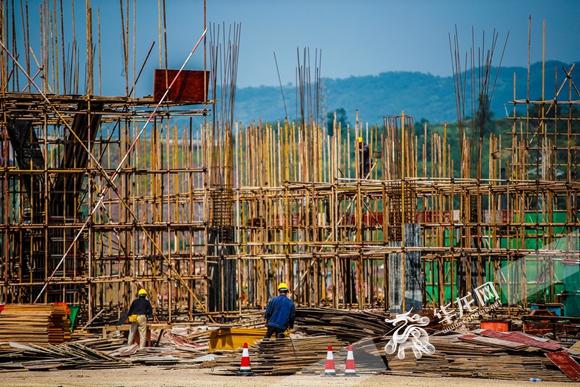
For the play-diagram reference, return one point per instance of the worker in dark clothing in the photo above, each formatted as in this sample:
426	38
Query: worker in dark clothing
280	313
364	159
138	312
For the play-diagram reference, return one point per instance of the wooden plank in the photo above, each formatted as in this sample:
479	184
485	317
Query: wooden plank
492	342
522	338
566	364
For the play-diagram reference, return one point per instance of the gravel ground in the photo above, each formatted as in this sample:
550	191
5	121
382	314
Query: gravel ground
153	376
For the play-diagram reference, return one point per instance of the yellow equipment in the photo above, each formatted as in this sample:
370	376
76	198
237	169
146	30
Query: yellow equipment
282	286
132	318
231	338
142	292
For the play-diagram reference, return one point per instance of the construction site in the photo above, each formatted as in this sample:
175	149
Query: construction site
104	195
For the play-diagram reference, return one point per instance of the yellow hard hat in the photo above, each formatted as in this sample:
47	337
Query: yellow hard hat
359	139
142	292
282	286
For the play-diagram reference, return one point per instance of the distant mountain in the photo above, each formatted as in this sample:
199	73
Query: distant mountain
418	94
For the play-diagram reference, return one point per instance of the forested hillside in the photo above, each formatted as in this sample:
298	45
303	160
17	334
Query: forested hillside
424	96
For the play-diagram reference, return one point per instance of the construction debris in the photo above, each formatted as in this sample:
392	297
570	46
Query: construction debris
50	357
475	356
481	353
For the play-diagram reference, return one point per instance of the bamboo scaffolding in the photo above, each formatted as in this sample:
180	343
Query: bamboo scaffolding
211	214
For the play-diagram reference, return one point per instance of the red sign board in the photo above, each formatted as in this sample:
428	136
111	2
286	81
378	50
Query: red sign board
189	87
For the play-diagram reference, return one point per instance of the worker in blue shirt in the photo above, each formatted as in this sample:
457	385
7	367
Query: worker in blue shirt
280	313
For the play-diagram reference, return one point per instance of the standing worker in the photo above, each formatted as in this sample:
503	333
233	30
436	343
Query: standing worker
364	159
138	312
280	313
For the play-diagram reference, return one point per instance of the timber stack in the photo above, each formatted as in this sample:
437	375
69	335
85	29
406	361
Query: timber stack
347	325
36	324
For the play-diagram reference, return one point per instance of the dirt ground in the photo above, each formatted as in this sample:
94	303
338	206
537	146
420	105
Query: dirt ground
153	376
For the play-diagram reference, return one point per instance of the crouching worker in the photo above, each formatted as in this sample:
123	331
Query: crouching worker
280	313
138	312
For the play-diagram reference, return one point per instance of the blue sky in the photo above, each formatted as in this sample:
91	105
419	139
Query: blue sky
369	37
356	37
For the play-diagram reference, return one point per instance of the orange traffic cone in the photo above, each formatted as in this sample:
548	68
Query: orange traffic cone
349	366
329	369
245	368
